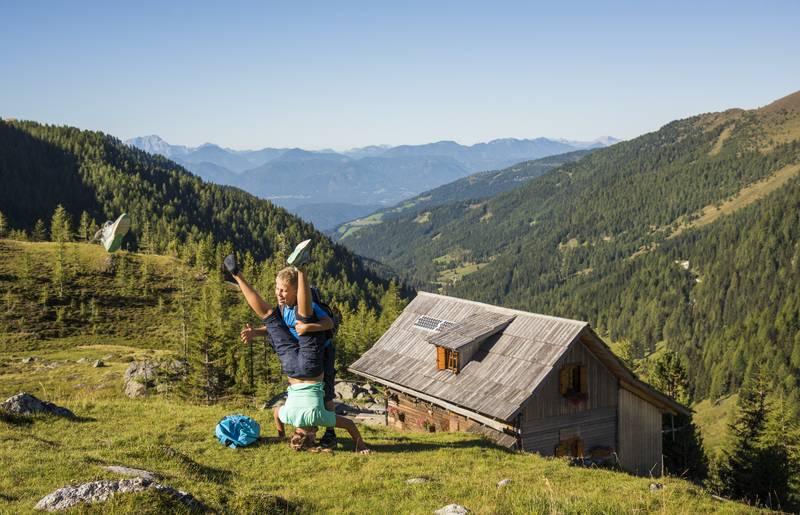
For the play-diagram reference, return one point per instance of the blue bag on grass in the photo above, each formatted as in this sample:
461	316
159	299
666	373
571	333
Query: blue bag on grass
237	431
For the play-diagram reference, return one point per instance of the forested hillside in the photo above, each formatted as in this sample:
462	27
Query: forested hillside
630	238
475	186
172	211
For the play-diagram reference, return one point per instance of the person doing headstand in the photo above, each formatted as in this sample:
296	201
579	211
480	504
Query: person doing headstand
296	328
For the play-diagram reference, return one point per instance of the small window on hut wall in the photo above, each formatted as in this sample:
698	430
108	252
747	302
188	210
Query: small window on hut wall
570	447
574	381
447	359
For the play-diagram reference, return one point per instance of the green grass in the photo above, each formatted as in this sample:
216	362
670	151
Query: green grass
712	417
350	228
174	437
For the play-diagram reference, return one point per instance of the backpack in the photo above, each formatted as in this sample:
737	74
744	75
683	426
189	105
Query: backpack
333	314
237	431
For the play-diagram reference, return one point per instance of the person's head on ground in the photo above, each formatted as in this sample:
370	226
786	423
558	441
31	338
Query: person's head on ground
286	287
303	438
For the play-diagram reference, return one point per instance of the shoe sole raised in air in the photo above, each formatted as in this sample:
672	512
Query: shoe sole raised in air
118	230
300	254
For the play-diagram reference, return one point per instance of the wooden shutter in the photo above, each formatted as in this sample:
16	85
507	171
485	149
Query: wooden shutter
578	448
584	379
441	361
564	379
452	360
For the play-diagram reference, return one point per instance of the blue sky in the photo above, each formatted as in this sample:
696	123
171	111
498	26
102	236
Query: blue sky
344	74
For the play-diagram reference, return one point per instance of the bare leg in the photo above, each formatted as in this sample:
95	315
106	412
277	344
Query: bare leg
254	300
278	423
350	426
304	308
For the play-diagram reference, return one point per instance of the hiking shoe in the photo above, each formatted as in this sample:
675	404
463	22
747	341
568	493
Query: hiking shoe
329	440
111	233
230	268
301	254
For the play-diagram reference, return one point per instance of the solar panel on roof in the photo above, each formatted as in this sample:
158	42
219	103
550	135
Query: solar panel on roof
432	324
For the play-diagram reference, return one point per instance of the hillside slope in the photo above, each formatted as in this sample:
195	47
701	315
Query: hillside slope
174	439
591	240
172	211
476	186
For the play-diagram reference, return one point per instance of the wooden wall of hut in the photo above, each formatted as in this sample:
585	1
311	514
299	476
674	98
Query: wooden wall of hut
639	435
549	417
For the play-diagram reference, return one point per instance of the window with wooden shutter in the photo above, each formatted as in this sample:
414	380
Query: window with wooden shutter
452	360
447	359
441	360
572	447
584	379
573	382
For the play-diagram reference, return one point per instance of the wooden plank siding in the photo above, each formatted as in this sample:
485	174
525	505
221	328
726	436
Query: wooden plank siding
597	428
639	435
406	412
547	413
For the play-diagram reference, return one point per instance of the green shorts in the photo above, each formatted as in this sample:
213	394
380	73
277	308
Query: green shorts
305	406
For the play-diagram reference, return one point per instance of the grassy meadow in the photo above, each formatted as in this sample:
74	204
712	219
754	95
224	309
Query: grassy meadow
173	437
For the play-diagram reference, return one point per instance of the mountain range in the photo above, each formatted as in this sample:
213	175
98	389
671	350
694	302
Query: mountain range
339	186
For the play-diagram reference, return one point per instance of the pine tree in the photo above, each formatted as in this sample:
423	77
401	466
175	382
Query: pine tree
209	376
3	225
59	276
753	469
682	442
26	278
670	377
60	229
39	232
84	227
391	307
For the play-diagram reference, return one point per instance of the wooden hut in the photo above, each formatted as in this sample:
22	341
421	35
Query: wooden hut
528	381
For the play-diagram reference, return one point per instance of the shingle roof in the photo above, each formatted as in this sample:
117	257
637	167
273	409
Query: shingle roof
501	375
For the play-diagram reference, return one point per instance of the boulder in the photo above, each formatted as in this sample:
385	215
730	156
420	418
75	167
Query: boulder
98	363
369	389
503	482
148	376
349	391
99	491
452	509
139	377
83	360
654	487
28	360
26	404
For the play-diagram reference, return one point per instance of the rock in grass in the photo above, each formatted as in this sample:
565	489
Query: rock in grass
26	404
99	491
656	486
503	482
452	509
28	360
128	471
417	480
98	363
